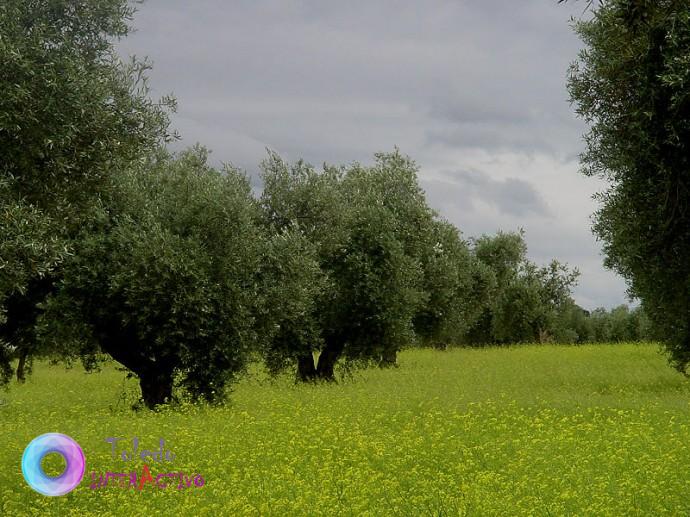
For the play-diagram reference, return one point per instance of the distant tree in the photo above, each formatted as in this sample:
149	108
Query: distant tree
449	310
388	195
600	325
572	325
524	300
368	229
619	324
503	253
165	279
70	114
531	303
556	282
621	327
497	261
630	84
642	325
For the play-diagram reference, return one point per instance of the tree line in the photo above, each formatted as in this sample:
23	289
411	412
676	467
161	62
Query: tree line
174	268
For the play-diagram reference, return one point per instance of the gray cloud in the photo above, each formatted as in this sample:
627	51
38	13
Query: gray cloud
458	85
511	196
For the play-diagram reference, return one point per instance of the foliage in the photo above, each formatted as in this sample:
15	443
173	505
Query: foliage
524	301
368	228
308	205
71	112
378	272
165	281
28	248
29	253
630	84
292	284
618	325
70	109
449	284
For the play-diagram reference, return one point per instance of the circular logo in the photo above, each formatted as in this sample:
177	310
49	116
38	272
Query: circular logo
65	447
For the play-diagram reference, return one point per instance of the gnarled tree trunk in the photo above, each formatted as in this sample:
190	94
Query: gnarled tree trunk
329	356
156	387
389	358
21	366
155	376
306	370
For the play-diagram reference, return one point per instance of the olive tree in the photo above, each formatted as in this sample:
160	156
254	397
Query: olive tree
297	198
389	193
367	229
71	113
530	304
450	286
165	279
630	84
496	263
524	300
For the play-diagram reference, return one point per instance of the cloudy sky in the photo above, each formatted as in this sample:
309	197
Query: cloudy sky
473	90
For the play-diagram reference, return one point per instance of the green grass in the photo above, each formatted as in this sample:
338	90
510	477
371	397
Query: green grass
533	430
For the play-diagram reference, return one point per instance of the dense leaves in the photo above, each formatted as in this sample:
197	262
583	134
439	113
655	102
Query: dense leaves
71	113
452	298
523	301
631	84
70	109
367	227
165	283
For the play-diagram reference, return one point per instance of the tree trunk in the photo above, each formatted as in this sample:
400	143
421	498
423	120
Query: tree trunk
306	371
155	376
389	358
543	336
21	367
329	356
156	387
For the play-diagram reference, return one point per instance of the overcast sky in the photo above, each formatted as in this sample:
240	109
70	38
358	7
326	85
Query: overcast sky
473	90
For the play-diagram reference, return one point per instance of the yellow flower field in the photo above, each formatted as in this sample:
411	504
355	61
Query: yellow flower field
531	430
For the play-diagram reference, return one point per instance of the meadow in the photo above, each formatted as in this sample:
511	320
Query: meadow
530	430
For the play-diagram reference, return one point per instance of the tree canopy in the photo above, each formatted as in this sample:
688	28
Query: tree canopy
71	113
630	83
164	280
367	228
